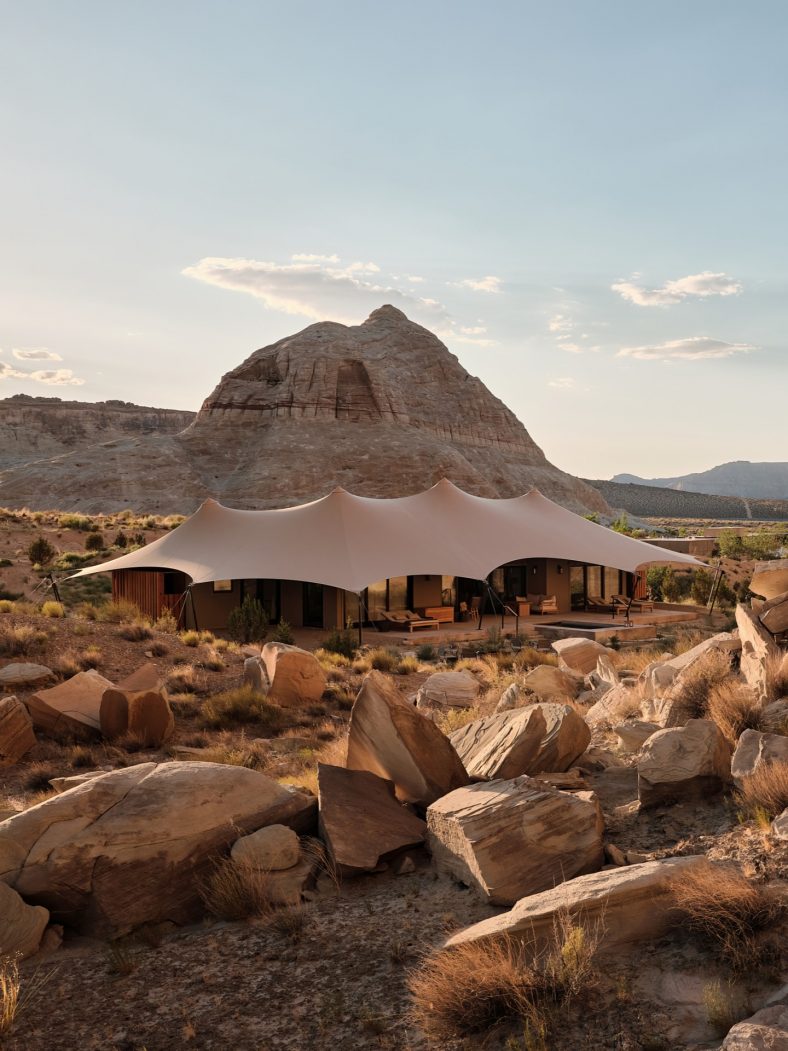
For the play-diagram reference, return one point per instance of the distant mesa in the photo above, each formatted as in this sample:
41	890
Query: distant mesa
381	408
757	481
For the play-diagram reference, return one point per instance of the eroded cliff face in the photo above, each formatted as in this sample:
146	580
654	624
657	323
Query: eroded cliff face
382	408
39	428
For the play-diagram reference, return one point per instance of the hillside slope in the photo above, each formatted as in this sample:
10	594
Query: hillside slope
648	501
740	478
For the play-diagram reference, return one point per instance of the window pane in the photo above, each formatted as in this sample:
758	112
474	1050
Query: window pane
448	591
376	595
611	582
594	580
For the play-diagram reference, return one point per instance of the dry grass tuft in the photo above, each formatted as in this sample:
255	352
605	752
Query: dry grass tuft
238	707
473	988
38	775
766	791
408	665
236	892
252	756
90	657
529	657
727	911
53	609
9	993
20	641
777	677
733	706
137	631
211	660
182	679
450	719
382	659
6	605
700	679
118	612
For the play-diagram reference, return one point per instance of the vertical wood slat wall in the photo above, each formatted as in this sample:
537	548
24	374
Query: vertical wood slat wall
145	588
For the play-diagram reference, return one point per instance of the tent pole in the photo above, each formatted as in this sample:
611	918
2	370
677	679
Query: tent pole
191	603
360	619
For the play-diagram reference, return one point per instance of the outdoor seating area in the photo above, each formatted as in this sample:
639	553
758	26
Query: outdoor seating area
385	620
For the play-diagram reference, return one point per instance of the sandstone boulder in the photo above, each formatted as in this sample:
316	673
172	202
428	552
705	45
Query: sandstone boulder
62	784
565	739
73	705
770	579
138	705
614	705
578	656
634	733
448	689
766	1030
753	749
780	826
502	745
758	648
255	674
296	676
604	675
22	675
287	886
22	926
774	614
16	731
511	838
390	738
361	821
512	697
684	762
630	904
131	846
660	675
271	848
550	683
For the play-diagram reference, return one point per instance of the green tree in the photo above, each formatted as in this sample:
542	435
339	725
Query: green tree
41	551
701	586
248	622
729	544
94	542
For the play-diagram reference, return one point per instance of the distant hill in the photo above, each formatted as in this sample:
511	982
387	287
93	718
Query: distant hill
757	481
651	501
36	428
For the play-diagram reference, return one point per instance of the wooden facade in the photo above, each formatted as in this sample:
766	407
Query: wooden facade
153	591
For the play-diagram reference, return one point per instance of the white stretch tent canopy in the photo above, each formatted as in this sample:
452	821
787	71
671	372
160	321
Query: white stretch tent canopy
350	542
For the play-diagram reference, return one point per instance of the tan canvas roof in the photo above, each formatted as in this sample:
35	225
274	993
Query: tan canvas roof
351	541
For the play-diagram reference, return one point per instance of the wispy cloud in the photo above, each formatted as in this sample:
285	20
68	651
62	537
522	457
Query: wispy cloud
319	289
50	377
311	257
694	285
694	348
562	383
572	348
481	284
560	324
35	354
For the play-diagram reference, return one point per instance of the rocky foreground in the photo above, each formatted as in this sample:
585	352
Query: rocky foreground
589	852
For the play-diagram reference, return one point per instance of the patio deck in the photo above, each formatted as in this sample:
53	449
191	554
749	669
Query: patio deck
540	629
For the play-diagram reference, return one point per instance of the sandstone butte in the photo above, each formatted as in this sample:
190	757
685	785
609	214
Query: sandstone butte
381	408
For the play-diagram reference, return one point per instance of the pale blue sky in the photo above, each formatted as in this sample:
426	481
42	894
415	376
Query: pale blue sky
520	159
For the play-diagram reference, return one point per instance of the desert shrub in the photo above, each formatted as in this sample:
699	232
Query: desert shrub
166	623
67	666
700	589
87	610
361	665
654	580
766	791
699	679
726	911
38	775
236	892
53	609
238	707
250	756
426	652
248	622
90	657
733	706
40	552
382	659
5	563
158	649
407	665
6	605
118	611
190	638
20	641
342	694
676	586
94	542
82	757
75	522
182	679
725	1006
283	633
131	742
121	540
341	641
135	632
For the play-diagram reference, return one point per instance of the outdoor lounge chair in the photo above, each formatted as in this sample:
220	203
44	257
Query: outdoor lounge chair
402	619
603	605
638	605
